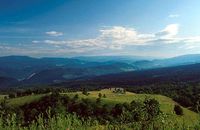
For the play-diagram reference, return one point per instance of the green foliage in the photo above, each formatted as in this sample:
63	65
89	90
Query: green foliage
100	95
74	122
76	97
98	100
166	104
78	111
12	95
152	107
185	93
51	106
85	92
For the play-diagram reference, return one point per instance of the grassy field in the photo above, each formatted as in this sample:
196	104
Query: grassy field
25	99
189	118
166	104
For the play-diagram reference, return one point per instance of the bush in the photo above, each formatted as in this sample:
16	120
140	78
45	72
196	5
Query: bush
152	108
98	100
85	92
100	95
12	95
178	110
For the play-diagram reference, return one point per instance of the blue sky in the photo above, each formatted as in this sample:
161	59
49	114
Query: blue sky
65	28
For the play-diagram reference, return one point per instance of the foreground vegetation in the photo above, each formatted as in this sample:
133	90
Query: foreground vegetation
98	110
73	122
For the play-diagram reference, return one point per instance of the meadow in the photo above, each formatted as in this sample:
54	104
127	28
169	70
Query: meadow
168	120
166	104
19	101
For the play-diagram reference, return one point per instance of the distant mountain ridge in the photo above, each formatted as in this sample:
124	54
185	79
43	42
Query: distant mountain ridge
167	62
182	73
20	67
113	58
28	70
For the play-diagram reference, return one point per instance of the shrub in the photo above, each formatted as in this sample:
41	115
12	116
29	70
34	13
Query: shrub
152	107
178	110
85	92
12	95
98	100
100	95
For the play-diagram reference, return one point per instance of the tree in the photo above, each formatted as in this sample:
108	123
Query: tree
76	97
85	92
100	95
55	93
12	95
178	110
98	100
117	110
5	97
152	108
104	96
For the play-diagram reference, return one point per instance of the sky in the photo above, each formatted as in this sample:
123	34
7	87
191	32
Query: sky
66	28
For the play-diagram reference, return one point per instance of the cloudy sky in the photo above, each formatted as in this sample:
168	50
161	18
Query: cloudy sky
65	28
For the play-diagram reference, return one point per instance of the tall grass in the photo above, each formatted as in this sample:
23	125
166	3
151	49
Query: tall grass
73	122
59	122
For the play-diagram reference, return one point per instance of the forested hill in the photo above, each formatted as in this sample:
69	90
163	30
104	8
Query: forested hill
184	73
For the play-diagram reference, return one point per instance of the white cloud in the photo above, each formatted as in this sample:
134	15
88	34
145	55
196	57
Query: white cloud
53	42
119	37
109	38
118	32
169	31
35	41
54	33
195	39
116	39
76	43
174	16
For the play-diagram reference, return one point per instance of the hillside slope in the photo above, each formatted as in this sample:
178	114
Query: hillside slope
166	103
189	118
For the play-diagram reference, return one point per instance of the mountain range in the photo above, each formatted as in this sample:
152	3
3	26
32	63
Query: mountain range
24	70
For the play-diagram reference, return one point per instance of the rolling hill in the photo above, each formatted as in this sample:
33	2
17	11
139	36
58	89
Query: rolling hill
30	71
189	118
168	74
166	103
168	62
21	67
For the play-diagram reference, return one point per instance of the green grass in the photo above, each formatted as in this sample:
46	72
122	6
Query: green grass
25	99
166	104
